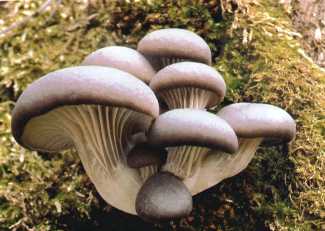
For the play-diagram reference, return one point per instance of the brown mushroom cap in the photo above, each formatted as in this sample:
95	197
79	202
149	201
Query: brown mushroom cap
144	155
174	42
82	85
192	127
190	74
252	120
163	197
124	59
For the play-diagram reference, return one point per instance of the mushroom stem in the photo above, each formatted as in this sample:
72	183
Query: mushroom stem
100	135
218	166
148	171
182	161
186	97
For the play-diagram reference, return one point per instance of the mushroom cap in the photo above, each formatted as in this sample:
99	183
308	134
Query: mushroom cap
252	120
175	42
124	59
163	197
190	74
192	127
82	85
144	155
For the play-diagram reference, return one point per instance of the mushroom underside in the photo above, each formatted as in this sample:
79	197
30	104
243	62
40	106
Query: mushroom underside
183	161
148	171
159	62
217	165
100	135
187	97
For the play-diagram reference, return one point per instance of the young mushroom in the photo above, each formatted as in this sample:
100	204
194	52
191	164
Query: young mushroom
253	123
166	46
163	197
147	159
94	109
124	59
189	85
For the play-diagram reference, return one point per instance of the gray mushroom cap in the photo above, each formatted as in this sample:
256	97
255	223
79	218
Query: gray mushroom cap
178	43
144	155
190	74
122	58
192	127
163	197
253	120
81	85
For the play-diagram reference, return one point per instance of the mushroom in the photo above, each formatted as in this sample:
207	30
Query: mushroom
163	197
189	85
94	109
166	46
188	135
146	158
124	59
253	123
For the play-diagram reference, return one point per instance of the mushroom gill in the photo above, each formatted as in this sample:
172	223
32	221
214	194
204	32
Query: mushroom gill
99	134
184	160
217	166
186	97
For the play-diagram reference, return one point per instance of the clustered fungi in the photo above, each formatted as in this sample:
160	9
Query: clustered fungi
142	161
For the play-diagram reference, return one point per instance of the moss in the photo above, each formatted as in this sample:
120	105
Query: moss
254	48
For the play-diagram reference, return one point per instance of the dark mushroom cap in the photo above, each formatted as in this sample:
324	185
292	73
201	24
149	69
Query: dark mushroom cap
144	155
252	120
163	197
190	74
192	127
82	85
174	42
124	59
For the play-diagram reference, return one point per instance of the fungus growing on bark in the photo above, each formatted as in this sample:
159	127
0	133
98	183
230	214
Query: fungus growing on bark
105	112
189	85
124	59
166	46
146	158
253	123
96	110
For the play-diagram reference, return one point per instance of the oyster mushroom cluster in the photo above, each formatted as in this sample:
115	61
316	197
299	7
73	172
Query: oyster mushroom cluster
139	121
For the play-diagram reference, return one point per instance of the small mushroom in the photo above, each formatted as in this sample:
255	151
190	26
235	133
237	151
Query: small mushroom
147	159
94	109
253	123
166	46
124	59
189	85
188	135
163	197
